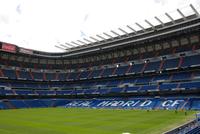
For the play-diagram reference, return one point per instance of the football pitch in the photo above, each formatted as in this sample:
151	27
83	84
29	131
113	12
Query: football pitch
89	121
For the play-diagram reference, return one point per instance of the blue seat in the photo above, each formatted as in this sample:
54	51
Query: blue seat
168	86
146	79
45	92
170	63
62	76
190	61
137	68
190	85
37	76
161	77
116	90
89	91
121	70
96	73
10	74
181	76
73	76
50	76
24	92
25	75
132	89
107	72
148	87
63	92
84	74
153	66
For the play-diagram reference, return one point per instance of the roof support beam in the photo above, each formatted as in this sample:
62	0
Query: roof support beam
70	44
94	38
64	46
159	20
82	42
75	43
169	17
132	29
123	30
115	33
60	47
108	35
182	15
193	8
140	26
101	37
153	27
88	40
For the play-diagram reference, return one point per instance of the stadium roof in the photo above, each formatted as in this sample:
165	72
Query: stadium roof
164	21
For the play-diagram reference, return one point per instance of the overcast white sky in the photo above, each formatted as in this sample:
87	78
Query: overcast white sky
41	24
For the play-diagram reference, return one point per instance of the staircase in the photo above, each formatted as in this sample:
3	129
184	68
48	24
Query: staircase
161	65
90	73
102	71
1	73
56	76
114	70
32	77
44	76
129	68
145	65
17	74
180	62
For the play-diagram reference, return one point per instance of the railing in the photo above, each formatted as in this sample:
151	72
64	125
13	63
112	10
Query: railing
183	128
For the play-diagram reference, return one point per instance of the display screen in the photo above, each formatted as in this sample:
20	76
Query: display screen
8	47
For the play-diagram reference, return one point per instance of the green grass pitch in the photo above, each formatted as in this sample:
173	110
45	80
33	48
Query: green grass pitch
89	121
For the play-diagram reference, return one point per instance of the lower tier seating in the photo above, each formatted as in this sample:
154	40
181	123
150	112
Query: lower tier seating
175	103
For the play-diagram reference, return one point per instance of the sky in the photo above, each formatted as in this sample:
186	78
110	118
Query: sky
42	24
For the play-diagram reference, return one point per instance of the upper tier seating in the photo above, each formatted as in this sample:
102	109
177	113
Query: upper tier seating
149	66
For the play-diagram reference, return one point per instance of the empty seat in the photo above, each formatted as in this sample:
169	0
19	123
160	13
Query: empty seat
84	75
170	64
148	87
24	92
25	75
168	86
190	85
89	91
62	76
95	73
152	66
121	70
190	61
181	76
107	72
50	76
137	68
116	90
63	92
37	75
10	74
132	89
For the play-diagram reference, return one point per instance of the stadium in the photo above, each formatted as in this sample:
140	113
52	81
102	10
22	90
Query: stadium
146	81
